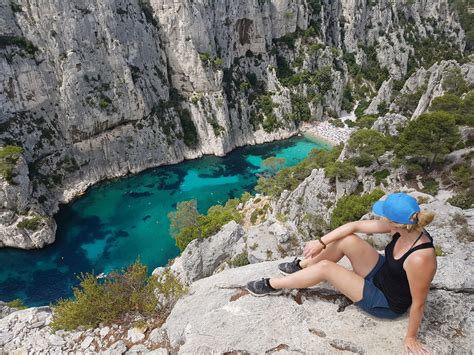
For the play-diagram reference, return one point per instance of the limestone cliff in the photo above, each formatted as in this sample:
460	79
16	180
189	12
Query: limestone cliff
95	90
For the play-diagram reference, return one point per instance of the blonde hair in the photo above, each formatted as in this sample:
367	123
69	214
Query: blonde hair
421	219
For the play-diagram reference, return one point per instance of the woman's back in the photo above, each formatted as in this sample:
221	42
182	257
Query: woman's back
392	278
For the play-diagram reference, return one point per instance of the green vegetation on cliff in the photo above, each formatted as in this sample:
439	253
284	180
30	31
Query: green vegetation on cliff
9	156
188	224
16	303
32	223
122	294
353	207
290	178
427	139
369	145
20	42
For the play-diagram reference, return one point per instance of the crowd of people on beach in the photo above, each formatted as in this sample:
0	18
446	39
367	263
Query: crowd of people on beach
328	132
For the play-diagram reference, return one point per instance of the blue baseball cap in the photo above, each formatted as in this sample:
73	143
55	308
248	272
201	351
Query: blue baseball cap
397	207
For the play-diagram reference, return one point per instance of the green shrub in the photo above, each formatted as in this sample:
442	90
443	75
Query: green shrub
366	121
439	251
21	42
189	129
9	156
289	178
454	82
344	170
32	223
431	186
273	164
246	196
363	159
380	175
461	109
361	107
103	103
209	224
171	289
217	62
427	139
353	207
300	108
347	99
369	143
240	260
315	6
464	200
205	57
122	293
186	215
16	303
409	101
316	226
288	40
337	122
462	175
371	69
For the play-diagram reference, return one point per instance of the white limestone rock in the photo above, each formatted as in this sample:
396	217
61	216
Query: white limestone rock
430	82
383	97
272	240
203	256
17	205
306	324
135	335
390	124
315	195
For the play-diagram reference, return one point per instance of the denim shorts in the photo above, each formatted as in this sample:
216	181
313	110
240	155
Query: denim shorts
373	300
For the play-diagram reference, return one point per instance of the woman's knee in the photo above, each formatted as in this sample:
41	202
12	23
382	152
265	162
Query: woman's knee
323	267
349	241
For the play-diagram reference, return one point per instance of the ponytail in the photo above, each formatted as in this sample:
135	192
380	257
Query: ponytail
421	219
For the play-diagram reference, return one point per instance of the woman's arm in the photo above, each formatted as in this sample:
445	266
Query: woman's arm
420	269
314	247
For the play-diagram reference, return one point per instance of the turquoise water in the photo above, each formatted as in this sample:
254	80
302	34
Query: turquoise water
120	220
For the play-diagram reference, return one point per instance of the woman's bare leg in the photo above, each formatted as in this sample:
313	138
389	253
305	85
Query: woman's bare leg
361	254
347	282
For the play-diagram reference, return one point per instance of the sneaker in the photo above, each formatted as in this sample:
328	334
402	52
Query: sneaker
291	267
262	288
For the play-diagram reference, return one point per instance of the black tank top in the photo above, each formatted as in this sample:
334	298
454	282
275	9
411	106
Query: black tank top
392	279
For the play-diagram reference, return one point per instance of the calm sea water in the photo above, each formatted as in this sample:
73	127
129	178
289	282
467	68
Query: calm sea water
117	221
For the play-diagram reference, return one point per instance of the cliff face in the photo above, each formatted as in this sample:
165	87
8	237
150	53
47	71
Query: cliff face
94	90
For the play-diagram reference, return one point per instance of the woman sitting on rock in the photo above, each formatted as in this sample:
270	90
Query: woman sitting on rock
383	286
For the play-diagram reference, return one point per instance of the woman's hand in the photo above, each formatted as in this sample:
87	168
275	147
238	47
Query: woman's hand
312	249
413	346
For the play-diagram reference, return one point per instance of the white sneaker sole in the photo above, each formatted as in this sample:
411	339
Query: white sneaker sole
265	294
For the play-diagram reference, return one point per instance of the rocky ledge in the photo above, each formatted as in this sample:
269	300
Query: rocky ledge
219	316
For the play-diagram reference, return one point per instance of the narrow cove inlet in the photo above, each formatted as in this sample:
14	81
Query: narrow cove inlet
117	221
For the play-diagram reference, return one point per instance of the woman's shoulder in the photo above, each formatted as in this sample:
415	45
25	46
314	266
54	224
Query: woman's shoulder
422	259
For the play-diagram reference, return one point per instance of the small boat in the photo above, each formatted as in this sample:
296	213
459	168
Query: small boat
102	275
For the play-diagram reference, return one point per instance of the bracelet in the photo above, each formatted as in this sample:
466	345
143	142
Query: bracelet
321	241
